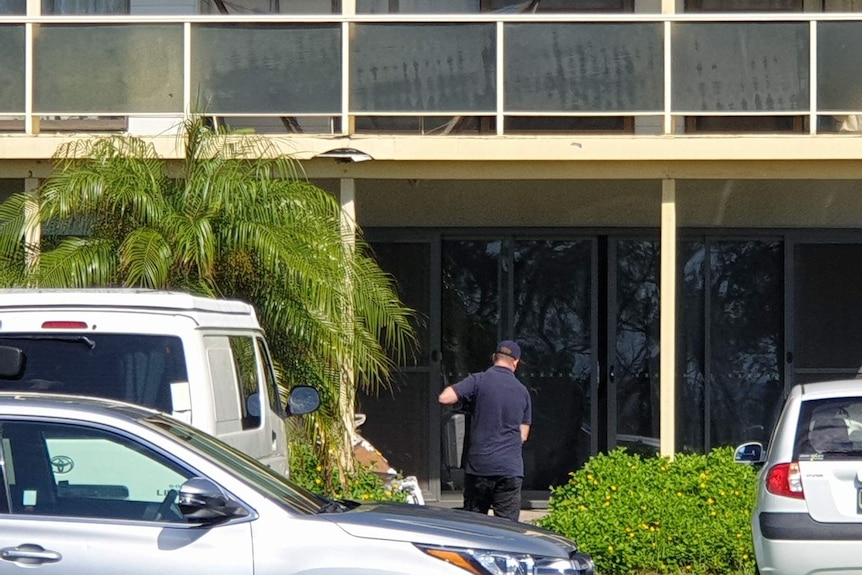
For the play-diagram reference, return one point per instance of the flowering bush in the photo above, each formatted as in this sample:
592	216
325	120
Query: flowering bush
307	471
690	514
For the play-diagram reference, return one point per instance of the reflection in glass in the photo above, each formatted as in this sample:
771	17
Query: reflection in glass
730	360
636	361
470	312
12	68
416	6
470	306
691	414
552	281
139	68
839	86
746	330
740	66
13	7
423	67
584	67
267	7
85	6
267	69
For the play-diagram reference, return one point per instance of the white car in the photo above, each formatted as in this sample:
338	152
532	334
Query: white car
808	514
94	486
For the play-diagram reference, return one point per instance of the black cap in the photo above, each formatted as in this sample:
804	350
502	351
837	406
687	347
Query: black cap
510	348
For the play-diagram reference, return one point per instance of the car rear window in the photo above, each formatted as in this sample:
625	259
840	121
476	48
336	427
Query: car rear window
829	428
129	367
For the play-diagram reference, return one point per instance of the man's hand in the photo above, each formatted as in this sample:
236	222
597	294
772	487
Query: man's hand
448	396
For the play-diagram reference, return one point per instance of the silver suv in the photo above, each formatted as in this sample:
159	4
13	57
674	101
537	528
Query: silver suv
808	512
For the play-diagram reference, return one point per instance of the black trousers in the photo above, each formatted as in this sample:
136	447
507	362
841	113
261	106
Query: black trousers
502	494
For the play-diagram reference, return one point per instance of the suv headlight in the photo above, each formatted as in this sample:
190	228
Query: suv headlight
485	562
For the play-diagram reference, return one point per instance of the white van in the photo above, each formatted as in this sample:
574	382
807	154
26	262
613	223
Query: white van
204	361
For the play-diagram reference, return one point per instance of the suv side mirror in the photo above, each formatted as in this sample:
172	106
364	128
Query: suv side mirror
751	453
202	501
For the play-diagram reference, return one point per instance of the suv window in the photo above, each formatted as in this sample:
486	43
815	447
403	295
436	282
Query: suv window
128	367
829	428
77	471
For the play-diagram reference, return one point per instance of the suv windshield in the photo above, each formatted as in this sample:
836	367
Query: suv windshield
829	428
128	367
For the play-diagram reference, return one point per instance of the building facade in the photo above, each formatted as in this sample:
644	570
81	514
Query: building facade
660	199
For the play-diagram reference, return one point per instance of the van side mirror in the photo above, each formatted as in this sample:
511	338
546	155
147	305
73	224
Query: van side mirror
302	399
751	453
11	362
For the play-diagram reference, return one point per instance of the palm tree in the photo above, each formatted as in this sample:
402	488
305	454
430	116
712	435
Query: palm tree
235	220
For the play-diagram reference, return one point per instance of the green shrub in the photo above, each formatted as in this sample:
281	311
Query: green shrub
307	471
690	514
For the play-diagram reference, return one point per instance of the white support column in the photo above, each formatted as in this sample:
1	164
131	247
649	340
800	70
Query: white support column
667	371
33	233
347	389
31	122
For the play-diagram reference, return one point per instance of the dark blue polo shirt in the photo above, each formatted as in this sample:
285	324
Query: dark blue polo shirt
501	404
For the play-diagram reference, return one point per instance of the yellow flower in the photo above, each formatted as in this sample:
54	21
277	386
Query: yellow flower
745	556
710	501
318	480
611	548
319	468
613	487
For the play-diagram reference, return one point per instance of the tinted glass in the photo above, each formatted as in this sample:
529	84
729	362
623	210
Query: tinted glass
12	69
829	429
423	67
720	66
584	67
139	68
553	324
260	68
839	86
134	368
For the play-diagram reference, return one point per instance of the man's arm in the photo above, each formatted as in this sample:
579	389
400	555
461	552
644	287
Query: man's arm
448	396
525	432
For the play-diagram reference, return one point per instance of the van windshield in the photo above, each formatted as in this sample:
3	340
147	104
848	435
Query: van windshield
127	367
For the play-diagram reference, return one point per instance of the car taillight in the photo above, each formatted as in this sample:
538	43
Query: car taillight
784	479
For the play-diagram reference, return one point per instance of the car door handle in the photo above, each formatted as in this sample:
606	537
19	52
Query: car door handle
29	554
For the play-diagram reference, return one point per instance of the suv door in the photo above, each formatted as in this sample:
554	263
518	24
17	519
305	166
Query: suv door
96	502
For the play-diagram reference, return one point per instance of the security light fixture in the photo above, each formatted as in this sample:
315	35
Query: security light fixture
345	155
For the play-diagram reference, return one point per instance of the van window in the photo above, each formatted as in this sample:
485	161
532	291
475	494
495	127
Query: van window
245	361
128	367
269	377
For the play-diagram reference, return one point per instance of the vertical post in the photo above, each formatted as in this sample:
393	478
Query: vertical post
33	229
348	8
501	63
31	122
347	387
667	406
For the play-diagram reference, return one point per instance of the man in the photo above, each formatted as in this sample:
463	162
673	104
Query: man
499	425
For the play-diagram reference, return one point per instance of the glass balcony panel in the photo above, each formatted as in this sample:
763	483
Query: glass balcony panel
423	68
743	5
267	69
839	85
560	6
11	69
248	7
842	5
15	7
417	6
740	66
108	68
85	7
584	67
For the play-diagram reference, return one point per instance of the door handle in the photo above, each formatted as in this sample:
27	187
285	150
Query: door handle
29	554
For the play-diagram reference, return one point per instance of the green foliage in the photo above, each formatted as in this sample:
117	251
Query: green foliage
307	470
232	219
633	513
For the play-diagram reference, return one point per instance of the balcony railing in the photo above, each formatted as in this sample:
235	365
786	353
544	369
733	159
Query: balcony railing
436	74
